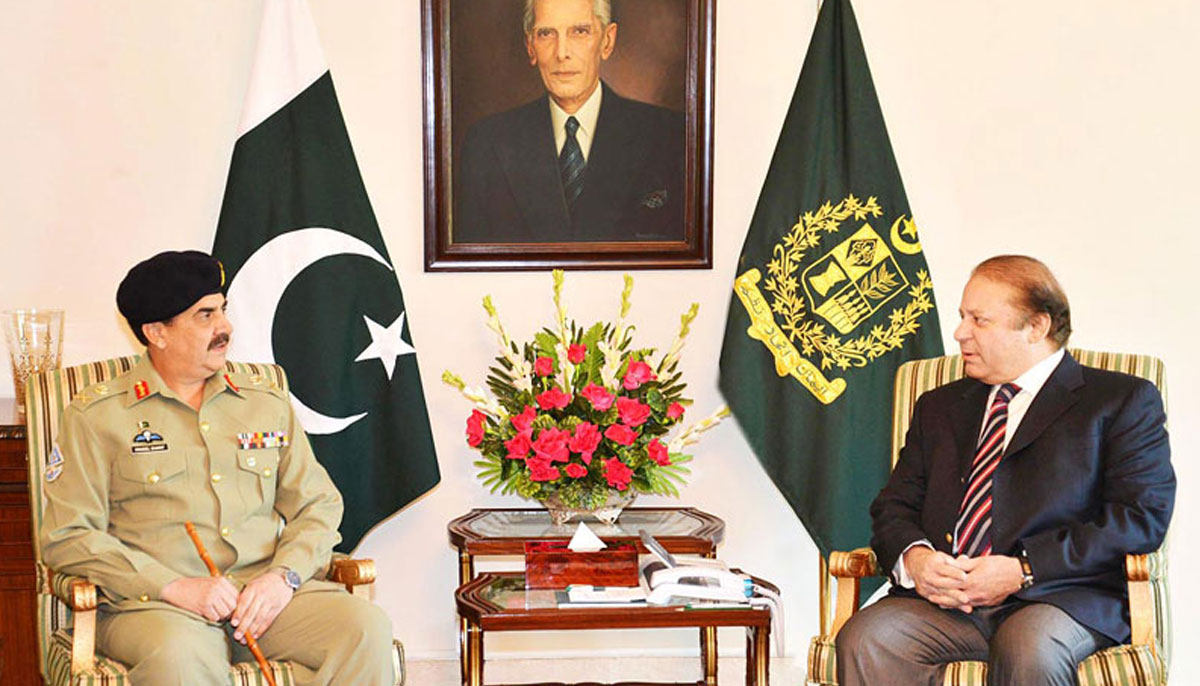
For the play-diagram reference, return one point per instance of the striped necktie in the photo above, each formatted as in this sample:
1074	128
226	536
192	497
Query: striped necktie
571	164
973	532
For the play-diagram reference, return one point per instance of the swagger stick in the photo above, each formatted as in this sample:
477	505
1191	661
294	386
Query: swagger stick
250	642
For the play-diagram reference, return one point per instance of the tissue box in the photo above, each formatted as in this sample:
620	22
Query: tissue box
551	564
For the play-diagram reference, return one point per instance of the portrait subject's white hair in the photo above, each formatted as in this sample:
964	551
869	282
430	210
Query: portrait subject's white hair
601	8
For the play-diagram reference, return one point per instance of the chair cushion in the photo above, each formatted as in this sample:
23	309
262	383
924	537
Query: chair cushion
822	662
112	673
1122	665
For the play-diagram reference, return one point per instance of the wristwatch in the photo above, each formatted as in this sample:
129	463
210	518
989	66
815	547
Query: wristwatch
291	578
1026	570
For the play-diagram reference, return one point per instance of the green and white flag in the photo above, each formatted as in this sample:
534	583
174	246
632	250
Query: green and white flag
311	284
831	295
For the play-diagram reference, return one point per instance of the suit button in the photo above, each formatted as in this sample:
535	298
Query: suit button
215	478
949	538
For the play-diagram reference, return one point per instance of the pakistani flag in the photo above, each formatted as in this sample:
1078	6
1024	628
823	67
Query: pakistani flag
311	284
831	294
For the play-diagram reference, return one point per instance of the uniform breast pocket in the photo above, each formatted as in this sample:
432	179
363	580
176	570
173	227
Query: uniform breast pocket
151	486
257	477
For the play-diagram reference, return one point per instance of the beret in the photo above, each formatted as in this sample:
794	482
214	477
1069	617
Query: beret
162	286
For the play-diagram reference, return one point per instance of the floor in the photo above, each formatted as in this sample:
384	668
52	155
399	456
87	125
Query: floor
731	671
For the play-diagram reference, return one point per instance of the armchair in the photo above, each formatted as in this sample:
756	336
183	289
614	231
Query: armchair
66	605
1142	662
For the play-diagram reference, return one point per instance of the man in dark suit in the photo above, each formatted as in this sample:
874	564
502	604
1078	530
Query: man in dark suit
581	163
1017	494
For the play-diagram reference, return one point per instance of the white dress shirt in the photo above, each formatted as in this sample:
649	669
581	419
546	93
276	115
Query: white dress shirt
587	116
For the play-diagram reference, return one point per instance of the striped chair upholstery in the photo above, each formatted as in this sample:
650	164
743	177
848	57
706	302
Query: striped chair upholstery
1143	663
66	636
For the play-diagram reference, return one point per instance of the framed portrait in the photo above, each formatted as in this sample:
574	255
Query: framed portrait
572	134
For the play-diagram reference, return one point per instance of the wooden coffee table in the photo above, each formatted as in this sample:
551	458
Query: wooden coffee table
498	601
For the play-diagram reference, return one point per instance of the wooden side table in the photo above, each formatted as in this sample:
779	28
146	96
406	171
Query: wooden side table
499	531
18	597
499	602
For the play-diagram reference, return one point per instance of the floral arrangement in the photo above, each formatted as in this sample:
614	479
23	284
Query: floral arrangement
578	413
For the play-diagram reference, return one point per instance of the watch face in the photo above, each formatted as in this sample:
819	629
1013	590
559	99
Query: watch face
292	579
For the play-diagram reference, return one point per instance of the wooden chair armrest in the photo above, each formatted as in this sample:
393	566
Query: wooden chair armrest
1139	573
350	572
80	595
849	568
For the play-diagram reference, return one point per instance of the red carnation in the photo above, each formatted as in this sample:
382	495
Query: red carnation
600	399
633	412
675	411
575	470
475	428
551	445
585	441
541	470
553	399
658	452
524	421
637	374
617	473
620	434
576	352
544	366
518	446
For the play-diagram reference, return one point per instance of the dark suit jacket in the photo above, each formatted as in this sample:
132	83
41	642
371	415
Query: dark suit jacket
1086	479
508	186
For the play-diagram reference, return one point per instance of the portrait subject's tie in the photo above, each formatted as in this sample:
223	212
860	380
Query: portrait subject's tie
973	532
571	164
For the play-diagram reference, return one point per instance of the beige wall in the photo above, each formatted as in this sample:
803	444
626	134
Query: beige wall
1063	129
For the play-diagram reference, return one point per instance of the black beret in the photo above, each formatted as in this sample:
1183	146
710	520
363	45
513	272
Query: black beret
165	285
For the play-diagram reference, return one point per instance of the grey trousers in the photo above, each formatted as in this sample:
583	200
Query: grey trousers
331	638
908	641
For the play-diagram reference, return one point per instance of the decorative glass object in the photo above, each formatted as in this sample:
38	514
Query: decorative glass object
34	340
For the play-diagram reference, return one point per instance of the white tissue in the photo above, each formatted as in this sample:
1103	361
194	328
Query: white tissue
584	541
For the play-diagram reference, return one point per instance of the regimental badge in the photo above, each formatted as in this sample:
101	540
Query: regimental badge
147	441
54	465
259	440
842	289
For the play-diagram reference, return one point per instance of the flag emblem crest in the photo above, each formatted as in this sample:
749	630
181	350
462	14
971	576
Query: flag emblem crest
845	287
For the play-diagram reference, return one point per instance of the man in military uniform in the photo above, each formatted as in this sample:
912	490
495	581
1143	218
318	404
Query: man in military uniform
178	439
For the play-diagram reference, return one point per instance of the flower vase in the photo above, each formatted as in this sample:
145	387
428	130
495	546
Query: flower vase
607	513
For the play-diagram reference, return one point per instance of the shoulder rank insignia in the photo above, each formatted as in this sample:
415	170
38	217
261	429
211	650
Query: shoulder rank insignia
229	382
262	439
147	441
141	389
54	466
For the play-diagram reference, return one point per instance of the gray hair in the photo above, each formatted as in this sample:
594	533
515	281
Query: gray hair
601	8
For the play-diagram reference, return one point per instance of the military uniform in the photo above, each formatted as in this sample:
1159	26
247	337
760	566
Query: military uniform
134	462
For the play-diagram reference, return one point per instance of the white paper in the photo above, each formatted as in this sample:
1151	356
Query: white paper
584	541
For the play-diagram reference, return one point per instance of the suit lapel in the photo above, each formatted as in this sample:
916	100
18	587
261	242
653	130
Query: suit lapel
1058	394
531	167
612	164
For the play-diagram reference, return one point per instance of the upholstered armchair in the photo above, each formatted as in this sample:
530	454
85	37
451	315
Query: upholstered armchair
1143	662
66	611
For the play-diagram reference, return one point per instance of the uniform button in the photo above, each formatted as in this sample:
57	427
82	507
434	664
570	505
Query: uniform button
267	472
250	461
204	426
225	531
144	598
153	478
216	478
949	538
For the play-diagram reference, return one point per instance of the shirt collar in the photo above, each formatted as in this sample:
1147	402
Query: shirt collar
587	116
145	381
1036	376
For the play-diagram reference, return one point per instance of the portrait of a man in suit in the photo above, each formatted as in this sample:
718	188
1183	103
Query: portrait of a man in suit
579	163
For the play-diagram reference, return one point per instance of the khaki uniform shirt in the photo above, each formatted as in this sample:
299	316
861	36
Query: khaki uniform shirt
137	462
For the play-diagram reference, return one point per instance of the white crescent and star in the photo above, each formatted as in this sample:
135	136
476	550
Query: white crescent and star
256	290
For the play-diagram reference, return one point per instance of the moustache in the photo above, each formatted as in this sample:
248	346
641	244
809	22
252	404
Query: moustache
218	340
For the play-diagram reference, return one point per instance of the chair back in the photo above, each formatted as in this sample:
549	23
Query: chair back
915	377
47	394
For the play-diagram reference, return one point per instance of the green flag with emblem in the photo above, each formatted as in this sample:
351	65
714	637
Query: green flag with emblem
831	295
311	285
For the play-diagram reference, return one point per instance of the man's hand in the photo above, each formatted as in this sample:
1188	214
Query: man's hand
937	577
990	579
259	604
211	597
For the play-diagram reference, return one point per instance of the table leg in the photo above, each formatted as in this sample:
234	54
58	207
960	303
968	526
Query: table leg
708	654
758	656
473	655
466	572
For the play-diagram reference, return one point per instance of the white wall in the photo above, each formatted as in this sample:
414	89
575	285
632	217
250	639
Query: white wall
1065	130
